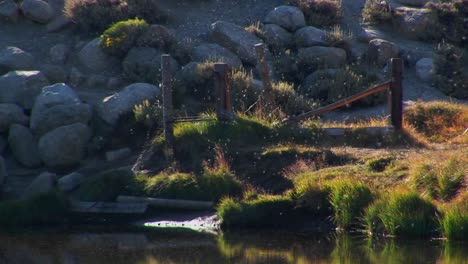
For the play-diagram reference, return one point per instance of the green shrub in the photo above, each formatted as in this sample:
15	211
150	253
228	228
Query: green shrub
454	222
119	38
320	13
449	74
243	91
264	211
348	200
44	208
379	164
377	12
149	114
97	15
402	213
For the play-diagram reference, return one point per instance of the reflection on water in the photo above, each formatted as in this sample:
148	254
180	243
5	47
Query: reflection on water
236	247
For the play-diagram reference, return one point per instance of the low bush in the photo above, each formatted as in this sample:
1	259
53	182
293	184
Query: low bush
289	101
97	15
402	213
263	211
44	208
342	83
449	74
438	121
379	164
348	200
119	38
105	186
377	12
320	13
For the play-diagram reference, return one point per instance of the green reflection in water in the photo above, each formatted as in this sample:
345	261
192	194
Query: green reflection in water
236	247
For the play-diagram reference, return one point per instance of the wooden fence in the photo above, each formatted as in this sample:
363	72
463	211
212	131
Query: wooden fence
223	98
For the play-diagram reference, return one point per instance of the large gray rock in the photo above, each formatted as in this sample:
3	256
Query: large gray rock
54	73
13	58
70	181
215	52
43	183
21	87
3	172
142	64
325	56
23	145
417	3
64	146
288	17
61	115
380	51
93	58
11	114
310	36
124	101
424	69
56	106
236	39
3	144
9	10
277	37
37	10
59	53
414	22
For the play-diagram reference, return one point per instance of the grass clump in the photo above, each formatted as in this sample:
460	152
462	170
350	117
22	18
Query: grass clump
119	38
449	74
311	197
379	164
377	12
440	181
454	220
348	200
148	114
320	13
40	209
439	121
263	211
401	213
244	94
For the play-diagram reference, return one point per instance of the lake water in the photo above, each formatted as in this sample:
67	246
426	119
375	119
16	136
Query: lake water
160	246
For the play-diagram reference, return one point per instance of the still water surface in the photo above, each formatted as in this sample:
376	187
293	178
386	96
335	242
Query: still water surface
156	247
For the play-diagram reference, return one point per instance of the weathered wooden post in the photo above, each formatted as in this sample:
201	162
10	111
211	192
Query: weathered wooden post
223	94
395	98
267	99
168	117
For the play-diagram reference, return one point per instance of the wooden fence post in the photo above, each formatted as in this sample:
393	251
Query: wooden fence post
395	100
267	100
168	116
223	94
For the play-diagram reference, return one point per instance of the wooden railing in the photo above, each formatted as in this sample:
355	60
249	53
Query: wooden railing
223	98
395	97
